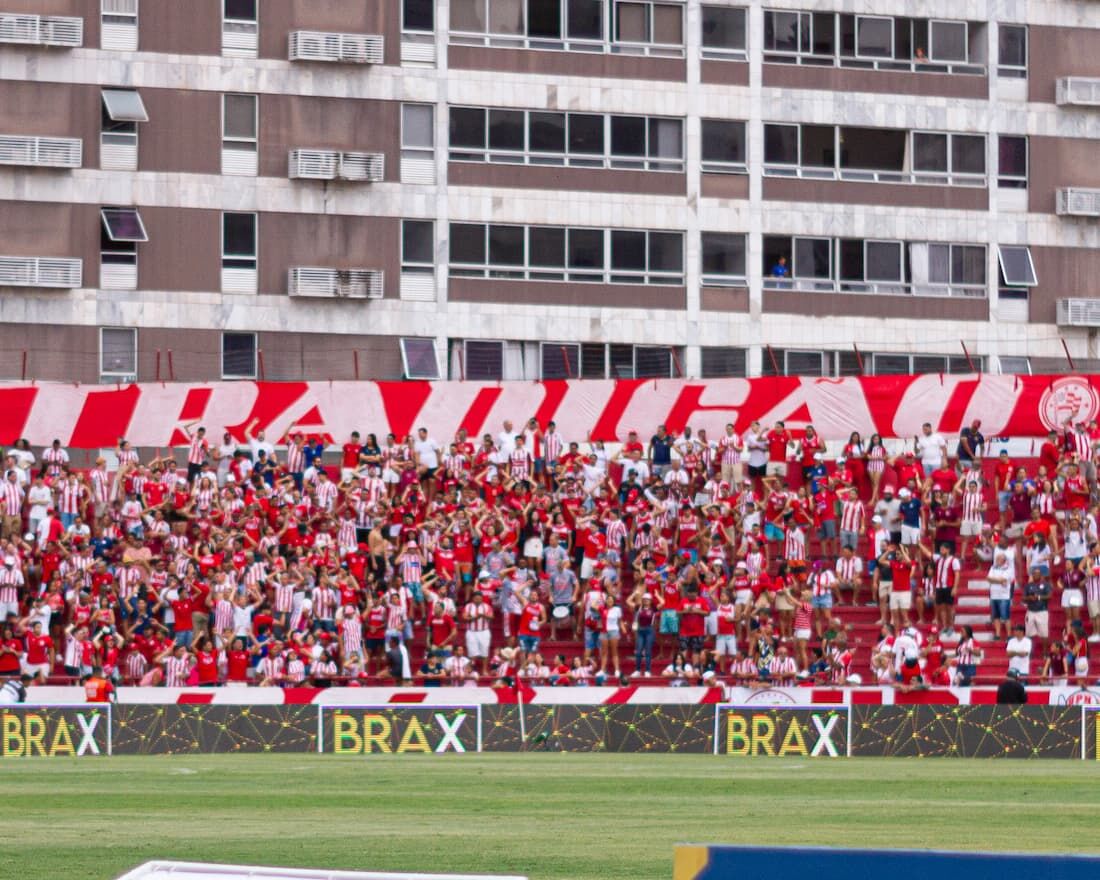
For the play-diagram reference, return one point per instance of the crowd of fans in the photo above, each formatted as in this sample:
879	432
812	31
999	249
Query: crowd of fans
523	557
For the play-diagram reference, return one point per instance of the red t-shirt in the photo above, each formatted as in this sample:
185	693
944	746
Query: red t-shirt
777	444
692	625
182	609
442	626
237	665
529	620
9	663
349	455
207	666
903	574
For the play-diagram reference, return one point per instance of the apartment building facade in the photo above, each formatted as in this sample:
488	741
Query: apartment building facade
525	189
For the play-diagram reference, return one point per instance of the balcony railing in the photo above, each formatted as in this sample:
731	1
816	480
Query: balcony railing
928	178
810	59
336	47
337	165
599	47
335	283
1079	91
40	272
1077	202
878	288
40	152
41	30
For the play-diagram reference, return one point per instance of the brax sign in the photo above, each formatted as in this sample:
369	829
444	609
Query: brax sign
806	731
51	732
399	730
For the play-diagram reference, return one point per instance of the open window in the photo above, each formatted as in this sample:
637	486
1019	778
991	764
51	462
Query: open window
123	224
124	105
1017	267
418	359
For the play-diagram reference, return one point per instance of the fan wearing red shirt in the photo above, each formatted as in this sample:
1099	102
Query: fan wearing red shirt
237	661
10	650
206	665
349	456
531	619
778	440
693	616
443	629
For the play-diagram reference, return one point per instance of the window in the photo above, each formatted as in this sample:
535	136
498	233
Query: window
577	139
560	360
787	31
948	41
124	106
805	363
418	15
418	247
118	353
238	355
123	224
781	145
813	258
1012	50
1017	268
723	258
239	241
723	146
593	360
948	265
948	158
540	253
652	362
723	362
417	130
418	359
1012	161
874	37
239	134
1018	366
584	19
483	361
119	30
642	22
723	32
882	261
240	28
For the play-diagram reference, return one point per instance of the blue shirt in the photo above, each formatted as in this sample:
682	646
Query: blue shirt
312	453
662	449
910	512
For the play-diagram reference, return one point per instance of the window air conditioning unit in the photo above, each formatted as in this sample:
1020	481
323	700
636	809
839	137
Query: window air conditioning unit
1078	313
1074	201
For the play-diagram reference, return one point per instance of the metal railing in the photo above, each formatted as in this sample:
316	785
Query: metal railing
335	283
866	175
41	30
561	273
345	48
811	59
597	47
878	288
40	152
40	272
566	160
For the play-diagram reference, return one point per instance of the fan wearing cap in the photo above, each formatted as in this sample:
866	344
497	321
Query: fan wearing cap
912	513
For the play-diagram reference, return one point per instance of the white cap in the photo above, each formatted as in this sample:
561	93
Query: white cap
30	537
9	560
904	493
818	456
855	678
876	519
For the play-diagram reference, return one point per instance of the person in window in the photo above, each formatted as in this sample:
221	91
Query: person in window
781	270
919	57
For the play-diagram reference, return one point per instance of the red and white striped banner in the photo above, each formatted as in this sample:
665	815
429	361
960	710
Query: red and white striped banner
87	417
543	696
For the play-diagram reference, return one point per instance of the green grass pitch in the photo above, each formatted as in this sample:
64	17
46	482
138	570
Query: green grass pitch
548	816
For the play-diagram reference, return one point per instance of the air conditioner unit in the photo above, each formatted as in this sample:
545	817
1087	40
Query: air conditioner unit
1078	312
313	164
366	167
335	283
1078	202
358	284
336	47
1078	91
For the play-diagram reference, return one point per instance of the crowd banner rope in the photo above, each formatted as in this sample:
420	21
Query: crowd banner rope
154	415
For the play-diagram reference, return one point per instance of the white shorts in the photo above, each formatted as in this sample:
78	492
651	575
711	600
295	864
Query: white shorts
1037	624
1094	608
390	476
803	634
1073	598
742	597
710	626
7	608
477	643
346	473
1081	666
588	566
970	529
725	646
901	601
36	669
776	469
910	535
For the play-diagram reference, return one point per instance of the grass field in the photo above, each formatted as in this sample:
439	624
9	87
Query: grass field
549	816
